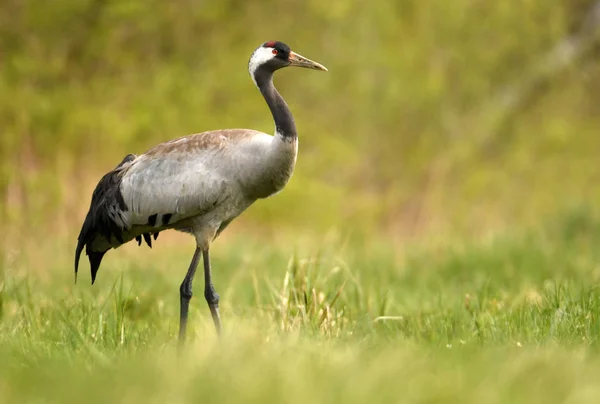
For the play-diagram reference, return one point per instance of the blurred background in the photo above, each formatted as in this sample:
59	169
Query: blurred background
436	118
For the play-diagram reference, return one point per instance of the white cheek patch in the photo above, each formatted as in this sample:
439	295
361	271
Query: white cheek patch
259	57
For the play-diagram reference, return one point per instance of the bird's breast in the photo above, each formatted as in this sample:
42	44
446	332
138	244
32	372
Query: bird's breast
273	169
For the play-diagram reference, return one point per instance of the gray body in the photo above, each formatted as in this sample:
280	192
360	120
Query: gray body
198	183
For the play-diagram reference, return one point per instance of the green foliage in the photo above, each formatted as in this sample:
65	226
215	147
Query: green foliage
404	132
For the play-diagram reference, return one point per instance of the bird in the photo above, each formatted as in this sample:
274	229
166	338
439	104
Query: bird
197	184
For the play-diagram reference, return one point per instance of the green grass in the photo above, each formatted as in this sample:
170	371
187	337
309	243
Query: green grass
406	136
509	319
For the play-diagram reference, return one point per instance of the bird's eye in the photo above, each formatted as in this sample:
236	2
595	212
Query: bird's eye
274	51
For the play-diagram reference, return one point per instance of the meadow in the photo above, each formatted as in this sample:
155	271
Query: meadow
508	319
437	243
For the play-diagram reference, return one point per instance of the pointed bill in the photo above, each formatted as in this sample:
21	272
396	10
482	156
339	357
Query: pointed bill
300	61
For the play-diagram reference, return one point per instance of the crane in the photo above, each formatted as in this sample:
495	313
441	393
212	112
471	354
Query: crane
196	184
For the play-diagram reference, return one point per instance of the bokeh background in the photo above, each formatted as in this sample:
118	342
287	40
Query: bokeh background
437	243
436	117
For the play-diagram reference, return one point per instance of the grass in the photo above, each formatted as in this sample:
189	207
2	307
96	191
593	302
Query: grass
509	319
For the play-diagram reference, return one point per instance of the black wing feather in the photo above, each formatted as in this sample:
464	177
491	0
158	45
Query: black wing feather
148	239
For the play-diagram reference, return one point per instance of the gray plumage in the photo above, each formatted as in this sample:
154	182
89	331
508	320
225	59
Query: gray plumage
201	182
196	184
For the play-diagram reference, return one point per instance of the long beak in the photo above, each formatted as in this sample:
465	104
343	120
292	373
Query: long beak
301	61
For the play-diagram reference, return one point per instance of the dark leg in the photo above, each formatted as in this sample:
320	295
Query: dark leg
212	297
185	294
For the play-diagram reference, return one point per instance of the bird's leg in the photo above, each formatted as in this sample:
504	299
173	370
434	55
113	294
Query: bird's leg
212	297
185	294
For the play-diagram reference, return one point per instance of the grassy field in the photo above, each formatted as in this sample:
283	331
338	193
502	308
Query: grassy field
442	146
508	319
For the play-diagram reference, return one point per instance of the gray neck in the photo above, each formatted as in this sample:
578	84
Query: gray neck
284	121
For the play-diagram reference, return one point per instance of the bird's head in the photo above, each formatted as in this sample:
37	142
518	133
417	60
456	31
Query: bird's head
274	55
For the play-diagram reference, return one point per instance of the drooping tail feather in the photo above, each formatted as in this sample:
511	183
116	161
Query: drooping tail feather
78	250
99	223
95	260
86	236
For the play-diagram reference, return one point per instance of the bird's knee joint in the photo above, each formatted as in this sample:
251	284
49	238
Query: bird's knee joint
212	297
185	292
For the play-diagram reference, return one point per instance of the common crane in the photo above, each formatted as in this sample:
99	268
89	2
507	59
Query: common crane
197	184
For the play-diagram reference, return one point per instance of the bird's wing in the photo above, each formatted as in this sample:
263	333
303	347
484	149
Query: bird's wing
161	190
175	180
182	178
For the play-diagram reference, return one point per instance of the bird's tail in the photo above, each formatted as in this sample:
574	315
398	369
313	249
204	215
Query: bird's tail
81	241
78	251
98	223
85	238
